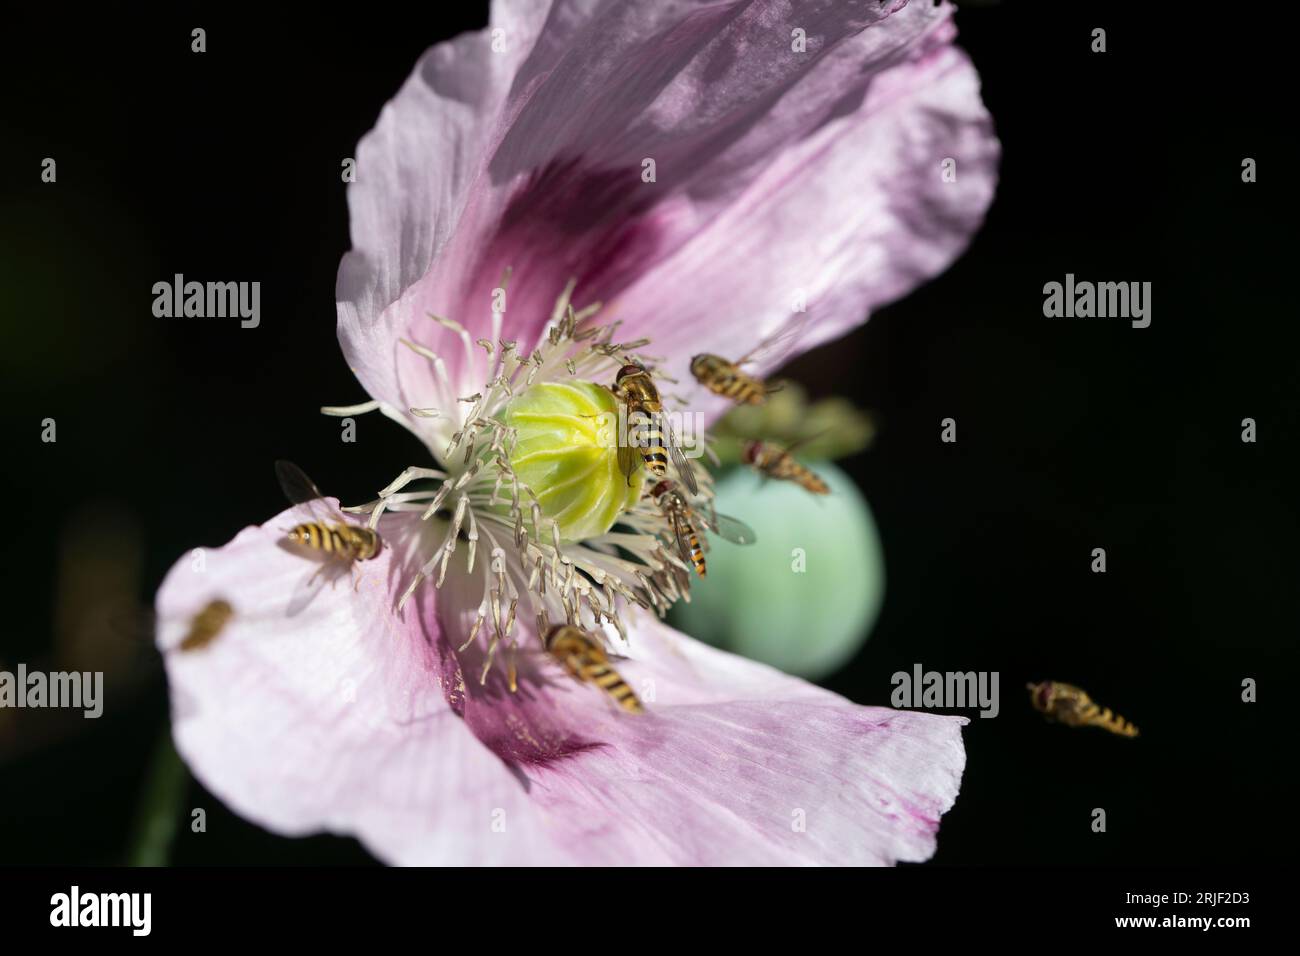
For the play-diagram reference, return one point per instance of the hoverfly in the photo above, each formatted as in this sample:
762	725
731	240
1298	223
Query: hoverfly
636	390
723	377
682	520
585	659
201	628
1074	708
207	625
773	462
328	534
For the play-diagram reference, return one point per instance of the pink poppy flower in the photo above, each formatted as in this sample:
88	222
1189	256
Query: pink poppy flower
583	185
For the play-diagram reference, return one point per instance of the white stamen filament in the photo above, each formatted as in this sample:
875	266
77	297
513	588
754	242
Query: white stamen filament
584	582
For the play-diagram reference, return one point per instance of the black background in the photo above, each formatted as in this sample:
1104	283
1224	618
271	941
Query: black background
1072	434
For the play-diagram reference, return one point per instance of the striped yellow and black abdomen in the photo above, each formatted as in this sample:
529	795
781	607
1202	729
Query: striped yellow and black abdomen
344	541
726	379
585	660
607	679
207	624
747	390
650	442
791	470
365	542
783	466
1108	720
697	552
1089	714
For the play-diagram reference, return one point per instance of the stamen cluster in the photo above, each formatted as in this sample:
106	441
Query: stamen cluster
480	496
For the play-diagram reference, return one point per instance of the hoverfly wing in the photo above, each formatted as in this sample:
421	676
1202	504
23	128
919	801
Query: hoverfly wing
136	628
776	346
628	459
301	490
297	487
681	462
681	537
789	450
732	529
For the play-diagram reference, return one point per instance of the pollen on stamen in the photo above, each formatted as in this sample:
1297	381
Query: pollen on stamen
579	541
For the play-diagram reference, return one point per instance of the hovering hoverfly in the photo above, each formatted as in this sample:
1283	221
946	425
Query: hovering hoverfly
682	519
773	462
1074	708
585	659
206	626
328	534
636	390
200	630
723	377
331	534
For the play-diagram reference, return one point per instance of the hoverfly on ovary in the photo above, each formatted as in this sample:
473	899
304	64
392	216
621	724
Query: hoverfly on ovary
649	438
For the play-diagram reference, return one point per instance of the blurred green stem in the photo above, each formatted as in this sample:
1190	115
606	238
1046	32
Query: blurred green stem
159	813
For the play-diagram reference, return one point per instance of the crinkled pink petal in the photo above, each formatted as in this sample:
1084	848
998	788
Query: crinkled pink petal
416	174
776	172
347	718
340	717
733	762
852	218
